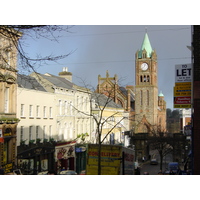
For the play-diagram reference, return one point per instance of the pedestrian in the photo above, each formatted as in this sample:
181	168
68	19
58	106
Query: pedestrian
1	170
143	159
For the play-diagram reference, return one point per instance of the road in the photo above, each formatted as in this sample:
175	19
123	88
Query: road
151	169
154	169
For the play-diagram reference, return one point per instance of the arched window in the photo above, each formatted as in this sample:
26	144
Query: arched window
145	78
148	78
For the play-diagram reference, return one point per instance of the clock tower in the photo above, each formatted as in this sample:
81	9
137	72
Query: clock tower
146	88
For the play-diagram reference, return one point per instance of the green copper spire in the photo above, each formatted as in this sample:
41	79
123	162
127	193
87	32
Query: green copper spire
161	94
147	46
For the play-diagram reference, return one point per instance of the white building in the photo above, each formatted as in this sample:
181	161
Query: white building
72	104
36	111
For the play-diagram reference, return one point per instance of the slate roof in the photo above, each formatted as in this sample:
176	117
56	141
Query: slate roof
29	82
58	81
103	100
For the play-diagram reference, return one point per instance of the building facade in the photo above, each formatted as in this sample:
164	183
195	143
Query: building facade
124	96
109	118
8	77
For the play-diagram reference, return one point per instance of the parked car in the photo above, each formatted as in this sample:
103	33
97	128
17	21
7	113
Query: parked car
83	172
174	167
68	172
43	173
153	162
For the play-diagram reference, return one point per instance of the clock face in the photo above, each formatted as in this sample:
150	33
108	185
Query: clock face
144	66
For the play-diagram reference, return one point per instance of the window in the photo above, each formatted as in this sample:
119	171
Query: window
50	113
37	111
30	132
50	131
45	112
6	100
21	133
60	107
141	100
66	108
30	110
44	132
22	110
37	132
148	97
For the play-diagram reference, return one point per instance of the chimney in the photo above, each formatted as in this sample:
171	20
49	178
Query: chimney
65	74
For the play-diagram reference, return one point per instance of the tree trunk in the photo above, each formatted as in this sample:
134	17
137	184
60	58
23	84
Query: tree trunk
99	155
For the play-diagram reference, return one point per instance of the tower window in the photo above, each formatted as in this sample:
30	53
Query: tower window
144	78
141	79
148	78
141	98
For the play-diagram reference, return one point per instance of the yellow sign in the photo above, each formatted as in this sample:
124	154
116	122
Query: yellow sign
182	93
110	160
183	84
187	87
182	106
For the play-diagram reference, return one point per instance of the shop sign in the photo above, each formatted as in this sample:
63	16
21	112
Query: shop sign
64	152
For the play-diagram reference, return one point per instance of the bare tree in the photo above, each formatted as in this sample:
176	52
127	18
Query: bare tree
98	105
18	34
162	142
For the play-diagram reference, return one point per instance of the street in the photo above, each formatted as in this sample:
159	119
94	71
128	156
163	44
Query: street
151	169
154	169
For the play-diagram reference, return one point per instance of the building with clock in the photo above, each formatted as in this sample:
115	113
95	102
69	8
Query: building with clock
150	106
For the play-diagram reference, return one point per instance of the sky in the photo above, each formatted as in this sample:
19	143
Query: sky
94	49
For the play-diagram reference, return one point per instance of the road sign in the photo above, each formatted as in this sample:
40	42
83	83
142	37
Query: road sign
183	73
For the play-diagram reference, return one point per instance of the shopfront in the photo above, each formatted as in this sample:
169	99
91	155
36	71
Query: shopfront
8	146
65	156
35	159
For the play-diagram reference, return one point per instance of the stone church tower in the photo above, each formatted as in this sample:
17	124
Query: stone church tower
150	108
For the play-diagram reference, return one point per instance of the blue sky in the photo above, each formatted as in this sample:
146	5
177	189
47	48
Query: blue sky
97	48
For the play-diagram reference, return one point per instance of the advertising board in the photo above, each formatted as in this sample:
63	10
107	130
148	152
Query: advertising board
182	89
183	73
110	160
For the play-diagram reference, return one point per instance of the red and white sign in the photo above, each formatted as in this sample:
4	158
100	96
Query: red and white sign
182	100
